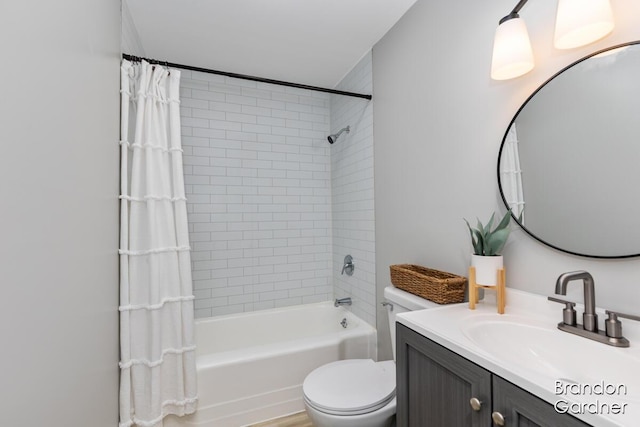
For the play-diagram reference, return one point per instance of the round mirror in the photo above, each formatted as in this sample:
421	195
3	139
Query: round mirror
569	163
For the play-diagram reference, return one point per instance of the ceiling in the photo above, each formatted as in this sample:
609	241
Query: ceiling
313	42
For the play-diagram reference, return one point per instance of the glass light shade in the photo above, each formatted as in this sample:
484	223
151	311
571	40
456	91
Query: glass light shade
512	53
580	22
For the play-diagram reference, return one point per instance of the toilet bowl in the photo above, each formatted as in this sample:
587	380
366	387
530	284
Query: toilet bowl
359	392
354	393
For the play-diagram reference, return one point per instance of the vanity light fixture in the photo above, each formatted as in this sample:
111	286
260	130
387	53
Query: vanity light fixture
578	23
512	53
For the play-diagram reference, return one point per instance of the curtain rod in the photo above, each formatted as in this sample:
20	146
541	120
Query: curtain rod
244	77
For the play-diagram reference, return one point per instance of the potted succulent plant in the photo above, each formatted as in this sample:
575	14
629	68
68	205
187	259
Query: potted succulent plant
487	248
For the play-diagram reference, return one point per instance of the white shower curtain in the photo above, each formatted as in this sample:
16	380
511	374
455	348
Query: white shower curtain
512	174
157	363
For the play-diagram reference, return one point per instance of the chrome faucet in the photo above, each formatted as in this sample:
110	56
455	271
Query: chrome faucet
589	317
612	335
342	301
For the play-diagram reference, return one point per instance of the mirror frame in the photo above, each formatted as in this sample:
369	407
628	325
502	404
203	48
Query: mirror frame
504	138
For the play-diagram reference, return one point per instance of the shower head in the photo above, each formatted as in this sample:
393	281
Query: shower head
334	137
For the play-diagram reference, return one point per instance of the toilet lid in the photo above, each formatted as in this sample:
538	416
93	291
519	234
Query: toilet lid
351	387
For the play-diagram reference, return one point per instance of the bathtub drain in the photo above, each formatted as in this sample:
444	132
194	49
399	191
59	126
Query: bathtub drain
344	322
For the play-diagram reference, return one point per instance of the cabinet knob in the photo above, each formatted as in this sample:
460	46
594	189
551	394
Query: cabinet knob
498	418
476	404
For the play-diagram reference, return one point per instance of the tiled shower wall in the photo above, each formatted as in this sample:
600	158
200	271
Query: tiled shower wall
257	176
352	192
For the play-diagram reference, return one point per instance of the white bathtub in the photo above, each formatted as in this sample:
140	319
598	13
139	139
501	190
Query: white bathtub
251	365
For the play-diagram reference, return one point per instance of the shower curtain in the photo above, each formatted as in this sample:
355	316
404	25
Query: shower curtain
512	174
157	364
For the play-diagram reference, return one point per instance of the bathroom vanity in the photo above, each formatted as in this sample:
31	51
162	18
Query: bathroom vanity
434	384
458	367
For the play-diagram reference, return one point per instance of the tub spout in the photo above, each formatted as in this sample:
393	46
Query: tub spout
342	301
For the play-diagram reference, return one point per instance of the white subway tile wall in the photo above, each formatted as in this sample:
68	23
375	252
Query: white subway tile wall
258	180
352	192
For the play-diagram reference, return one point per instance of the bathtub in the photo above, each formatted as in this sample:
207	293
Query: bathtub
251	365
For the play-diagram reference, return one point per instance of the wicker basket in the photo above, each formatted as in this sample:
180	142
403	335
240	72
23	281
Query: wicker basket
434	285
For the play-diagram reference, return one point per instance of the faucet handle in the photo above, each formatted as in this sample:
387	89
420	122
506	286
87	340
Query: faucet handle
348	265
570	304
612	326
568	313
613	315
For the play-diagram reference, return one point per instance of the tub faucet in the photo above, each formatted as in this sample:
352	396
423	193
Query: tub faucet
342	301
589	317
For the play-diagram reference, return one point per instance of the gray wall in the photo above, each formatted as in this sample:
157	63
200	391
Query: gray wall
130	39
59	216
439	120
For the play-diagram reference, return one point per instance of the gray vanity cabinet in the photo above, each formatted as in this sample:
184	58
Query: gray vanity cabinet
522	409
435	386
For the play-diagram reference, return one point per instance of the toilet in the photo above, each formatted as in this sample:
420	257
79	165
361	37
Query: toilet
359	392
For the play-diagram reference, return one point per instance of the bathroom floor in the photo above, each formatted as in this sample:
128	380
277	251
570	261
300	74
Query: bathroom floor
296	420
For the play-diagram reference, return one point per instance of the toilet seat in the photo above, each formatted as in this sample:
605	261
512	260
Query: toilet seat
351	387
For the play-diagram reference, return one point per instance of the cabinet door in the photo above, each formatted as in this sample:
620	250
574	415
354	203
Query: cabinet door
522	409
435	385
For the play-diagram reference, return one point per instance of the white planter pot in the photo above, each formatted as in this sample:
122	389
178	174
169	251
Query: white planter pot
487	269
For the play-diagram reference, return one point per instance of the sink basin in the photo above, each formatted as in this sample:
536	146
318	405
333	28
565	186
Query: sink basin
546	351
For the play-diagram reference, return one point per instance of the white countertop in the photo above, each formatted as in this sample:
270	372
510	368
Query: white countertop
538	357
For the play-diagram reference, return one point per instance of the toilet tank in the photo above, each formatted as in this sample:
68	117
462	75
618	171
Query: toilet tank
401	302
